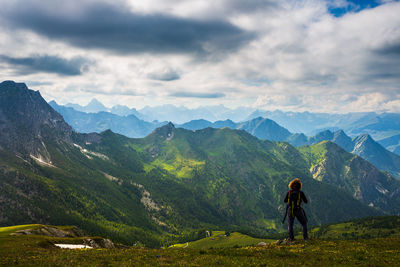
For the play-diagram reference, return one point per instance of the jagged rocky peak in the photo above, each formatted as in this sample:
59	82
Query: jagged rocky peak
343	140
19	102
340	133
259	118
166	131
325	134
27	120
95	106
363	138
262	120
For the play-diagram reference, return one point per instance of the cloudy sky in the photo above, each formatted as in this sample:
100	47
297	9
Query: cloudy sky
315	55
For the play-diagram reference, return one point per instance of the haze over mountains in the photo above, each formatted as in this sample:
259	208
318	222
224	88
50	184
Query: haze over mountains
379	126
169	112
84	122
174	181
266	129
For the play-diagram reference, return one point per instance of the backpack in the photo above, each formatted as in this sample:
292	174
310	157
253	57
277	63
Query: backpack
294	201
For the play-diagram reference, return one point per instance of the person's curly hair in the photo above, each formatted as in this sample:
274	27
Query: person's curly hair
295	184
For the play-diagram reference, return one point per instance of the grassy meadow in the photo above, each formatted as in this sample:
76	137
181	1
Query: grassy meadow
233	250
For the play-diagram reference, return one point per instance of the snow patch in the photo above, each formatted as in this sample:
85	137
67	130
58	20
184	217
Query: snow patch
71	246
170	136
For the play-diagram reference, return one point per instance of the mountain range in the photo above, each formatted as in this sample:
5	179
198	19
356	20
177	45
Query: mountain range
262	128
382	127
266	129
85	122
169	112
174	181
379	126
362	145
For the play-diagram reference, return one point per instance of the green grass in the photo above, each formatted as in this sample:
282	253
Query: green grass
377	227
180	167
34	250
11	229
219	239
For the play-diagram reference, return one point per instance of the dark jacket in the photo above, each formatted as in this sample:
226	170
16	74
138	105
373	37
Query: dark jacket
302	196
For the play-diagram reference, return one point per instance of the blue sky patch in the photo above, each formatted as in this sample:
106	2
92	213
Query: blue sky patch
352	6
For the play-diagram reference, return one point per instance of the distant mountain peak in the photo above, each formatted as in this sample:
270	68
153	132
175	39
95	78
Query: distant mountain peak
264	128
95	105
263	120
343	140
364	138
95	101
340	132
325	132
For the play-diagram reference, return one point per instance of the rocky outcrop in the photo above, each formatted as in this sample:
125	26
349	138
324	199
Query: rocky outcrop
166	131
99	243
358	177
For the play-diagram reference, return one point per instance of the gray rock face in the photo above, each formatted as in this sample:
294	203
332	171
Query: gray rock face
165	131
27	122
367	148
99	243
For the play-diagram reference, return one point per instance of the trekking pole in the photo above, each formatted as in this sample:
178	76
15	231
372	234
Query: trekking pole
284	218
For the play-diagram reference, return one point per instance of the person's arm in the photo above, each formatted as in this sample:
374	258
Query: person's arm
286	198
303	196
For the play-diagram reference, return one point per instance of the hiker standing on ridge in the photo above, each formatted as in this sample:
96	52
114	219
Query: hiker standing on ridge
294	198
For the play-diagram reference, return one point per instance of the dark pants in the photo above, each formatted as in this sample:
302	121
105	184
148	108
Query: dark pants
301	218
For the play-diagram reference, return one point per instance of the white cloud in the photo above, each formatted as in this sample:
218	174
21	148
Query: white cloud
303	58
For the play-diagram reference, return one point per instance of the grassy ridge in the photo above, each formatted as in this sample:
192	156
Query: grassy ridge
220	239
4	231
